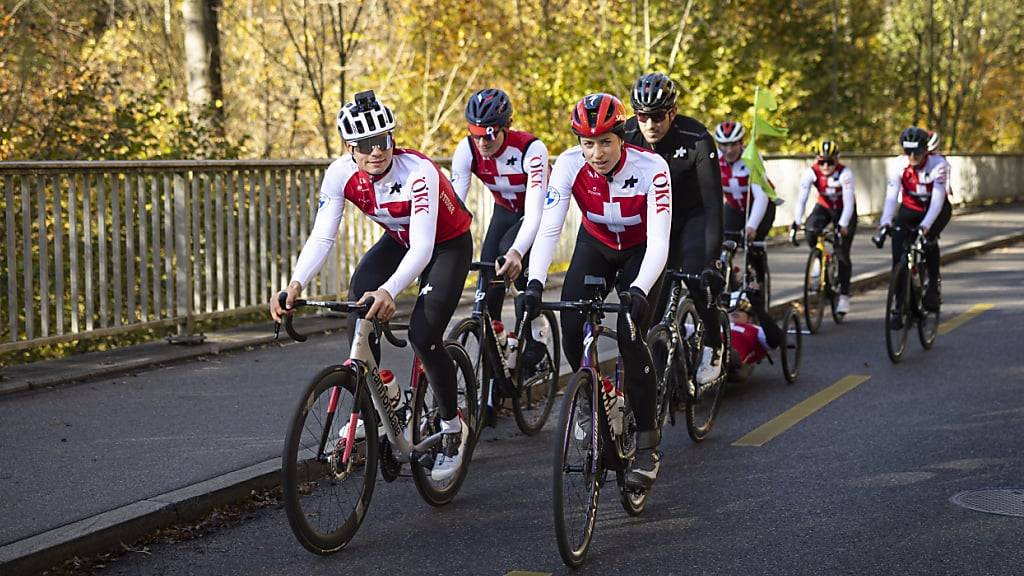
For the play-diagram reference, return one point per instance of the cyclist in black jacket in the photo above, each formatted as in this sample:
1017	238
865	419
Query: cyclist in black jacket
696	237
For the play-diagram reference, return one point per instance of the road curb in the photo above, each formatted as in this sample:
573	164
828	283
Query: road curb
111	530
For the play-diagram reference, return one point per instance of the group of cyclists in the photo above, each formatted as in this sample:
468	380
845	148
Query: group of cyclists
656	191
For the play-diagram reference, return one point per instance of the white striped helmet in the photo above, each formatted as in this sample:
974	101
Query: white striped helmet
364	117
933	141
729	131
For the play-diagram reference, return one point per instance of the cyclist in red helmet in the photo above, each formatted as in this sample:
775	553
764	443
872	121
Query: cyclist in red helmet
625	196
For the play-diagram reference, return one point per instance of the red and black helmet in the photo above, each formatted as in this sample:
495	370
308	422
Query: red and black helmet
597	114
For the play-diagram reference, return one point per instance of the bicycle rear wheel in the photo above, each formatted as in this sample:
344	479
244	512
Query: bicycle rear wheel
792	345
470	335
702	408
426	420
537	384
814	295
325	496
928	324
577	470
897	312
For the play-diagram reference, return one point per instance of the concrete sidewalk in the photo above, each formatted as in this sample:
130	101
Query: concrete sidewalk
159	434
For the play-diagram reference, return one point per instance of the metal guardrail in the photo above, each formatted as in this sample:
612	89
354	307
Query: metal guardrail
94	249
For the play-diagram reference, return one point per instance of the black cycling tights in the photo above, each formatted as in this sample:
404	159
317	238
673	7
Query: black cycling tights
686	252
735	222
441	285
501	233
816	222
908	219
618	268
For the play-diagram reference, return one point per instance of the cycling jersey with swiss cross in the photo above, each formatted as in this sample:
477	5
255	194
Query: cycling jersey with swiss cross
629	206
520	164
413	201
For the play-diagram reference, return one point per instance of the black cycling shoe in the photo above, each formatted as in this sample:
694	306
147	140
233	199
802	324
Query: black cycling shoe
932	300
644	470
533	354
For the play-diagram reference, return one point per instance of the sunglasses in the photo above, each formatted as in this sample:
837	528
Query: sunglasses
913	152
383	141
826	162
489	133
652	116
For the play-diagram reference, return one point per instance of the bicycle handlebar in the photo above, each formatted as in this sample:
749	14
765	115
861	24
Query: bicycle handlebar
381	328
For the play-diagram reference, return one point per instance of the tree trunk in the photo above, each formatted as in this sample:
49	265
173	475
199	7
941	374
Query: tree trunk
202	62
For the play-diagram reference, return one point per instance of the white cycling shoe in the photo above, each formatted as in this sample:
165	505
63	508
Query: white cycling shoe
710	365
449	459
843	306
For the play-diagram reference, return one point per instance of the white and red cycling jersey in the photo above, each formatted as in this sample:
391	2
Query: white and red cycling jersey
835	192
921	189
413	201
735	185
749	342
517	176
629	206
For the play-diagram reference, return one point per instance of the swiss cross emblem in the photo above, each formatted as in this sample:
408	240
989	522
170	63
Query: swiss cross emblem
613	218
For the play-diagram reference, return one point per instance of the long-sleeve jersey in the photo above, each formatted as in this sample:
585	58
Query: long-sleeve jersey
627	207
736	183
835	192
517	176
921	189
696	176
413	201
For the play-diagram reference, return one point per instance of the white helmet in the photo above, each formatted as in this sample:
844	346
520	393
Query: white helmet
933	141
729	131
365	117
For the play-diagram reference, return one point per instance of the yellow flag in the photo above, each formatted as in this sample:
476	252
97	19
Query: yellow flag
765	101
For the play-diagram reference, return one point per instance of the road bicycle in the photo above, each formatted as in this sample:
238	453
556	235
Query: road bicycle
499	367
821	277
904	304
596	433
333	450
676	344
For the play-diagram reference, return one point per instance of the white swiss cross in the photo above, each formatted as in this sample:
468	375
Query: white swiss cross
502	186
383	216
612	218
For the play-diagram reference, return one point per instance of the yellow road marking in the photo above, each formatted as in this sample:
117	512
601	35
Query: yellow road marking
762	434
955	322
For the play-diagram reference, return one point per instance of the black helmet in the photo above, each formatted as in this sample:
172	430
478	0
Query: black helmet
489	107
828	149
654	91
914	140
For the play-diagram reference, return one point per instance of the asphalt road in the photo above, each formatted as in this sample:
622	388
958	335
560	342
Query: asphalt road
860	486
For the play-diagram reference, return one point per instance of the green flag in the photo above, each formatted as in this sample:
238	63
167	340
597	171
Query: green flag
764	102
752	158
763	128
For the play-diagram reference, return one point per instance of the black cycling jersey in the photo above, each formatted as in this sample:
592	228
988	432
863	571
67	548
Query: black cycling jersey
696	178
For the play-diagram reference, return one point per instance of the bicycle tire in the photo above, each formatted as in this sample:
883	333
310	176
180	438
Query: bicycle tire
578	437
427	421
928	324
469	334
300	481
701	411
833	289
814	300
766	281
535	394
792	345
896	339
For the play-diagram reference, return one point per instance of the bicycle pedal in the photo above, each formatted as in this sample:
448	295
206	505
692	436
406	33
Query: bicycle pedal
426	460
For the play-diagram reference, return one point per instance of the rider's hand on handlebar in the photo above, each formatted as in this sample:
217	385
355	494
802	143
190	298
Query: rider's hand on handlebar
276	311
923	230
635	301
512	267
383	307
711	279
751	234
793	229
531	299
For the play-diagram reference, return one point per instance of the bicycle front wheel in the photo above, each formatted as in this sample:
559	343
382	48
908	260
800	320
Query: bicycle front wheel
928	324
814	296
897	312
536	378
426	420
577	470
702	408
326	491
792	345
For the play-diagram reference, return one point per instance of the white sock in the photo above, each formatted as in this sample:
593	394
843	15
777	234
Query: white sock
453	425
